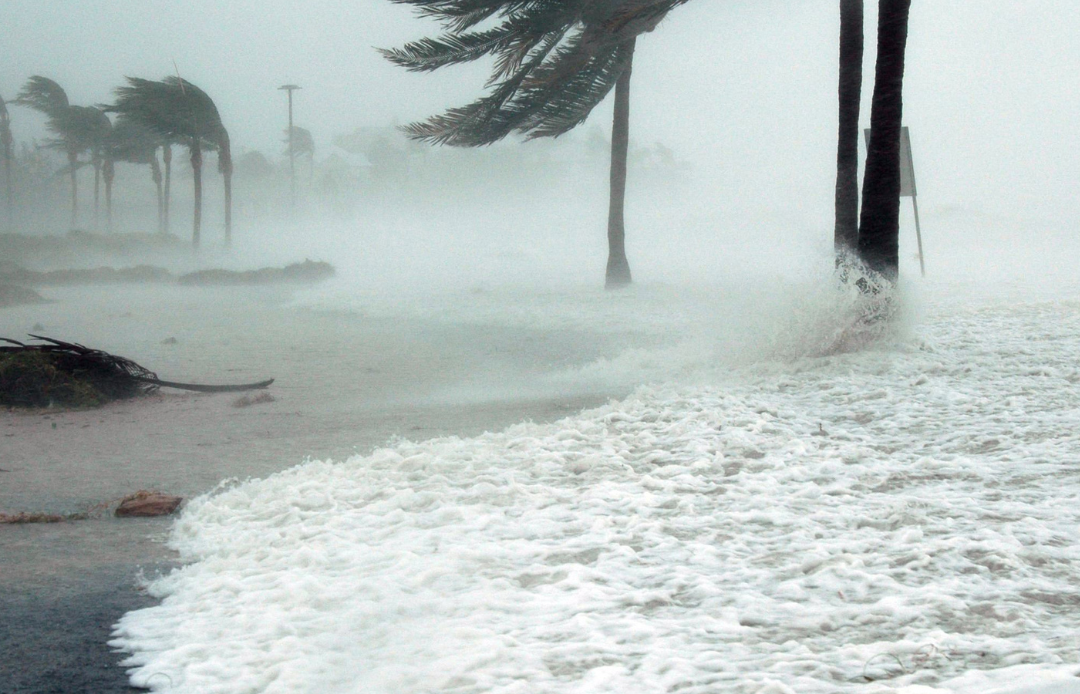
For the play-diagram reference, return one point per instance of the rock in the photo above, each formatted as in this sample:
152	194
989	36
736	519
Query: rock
144	504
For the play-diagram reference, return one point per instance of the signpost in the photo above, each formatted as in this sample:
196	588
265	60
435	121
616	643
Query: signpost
907	184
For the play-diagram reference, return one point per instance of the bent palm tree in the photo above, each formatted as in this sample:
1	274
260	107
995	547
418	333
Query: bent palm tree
554	62
100	134
178	111
73	125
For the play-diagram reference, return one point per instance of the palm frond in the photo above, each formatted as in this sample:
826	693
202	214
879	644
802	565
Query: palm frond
430	54
43	95
555	60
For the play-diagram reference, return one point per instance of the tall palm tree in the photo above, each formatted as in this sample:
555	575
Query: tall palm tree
554	62
7	144
846	230
179	111
73	126
879	223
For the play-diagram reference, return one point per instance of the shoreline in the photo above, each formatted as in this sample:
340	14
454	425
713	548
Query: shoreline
345	385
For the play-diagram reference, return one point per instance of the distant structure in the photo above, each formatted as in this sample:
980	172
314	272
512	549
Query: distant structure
290	88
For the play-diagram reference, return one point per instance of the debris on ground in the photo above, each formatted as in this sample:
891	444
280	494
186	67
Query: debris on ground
144	504
68	374
249	400
23	517
141	504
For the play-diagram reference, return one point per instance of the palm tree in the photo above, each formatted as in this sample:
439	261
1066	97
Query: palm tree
166	158
100	137
846	231
7	143
178	111
74	126
879	223
135	143
554	62
304	146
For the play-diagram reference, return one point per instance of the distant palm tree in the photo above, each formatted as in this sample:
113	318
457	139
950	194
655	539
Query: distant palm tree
100	138
303	146
7	144
74	126
135	143
554	62
178	111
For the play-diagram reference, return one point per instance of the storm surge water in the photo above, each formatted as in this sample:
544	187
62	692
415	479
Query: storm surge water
779	509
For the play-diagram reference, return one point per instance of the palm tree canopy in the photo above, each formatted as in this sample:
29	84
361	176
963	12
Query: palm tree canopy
554	61
77	128
43	95
173	108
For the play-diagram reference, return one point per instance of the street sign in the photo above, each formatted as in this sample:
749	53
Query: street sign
907	183
907	169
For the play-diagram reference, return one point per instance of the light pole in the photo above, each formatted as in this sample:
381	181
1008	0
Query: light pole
290	88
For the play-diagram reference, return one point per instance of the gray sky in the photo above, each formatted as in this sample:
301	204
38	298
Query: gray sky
744	89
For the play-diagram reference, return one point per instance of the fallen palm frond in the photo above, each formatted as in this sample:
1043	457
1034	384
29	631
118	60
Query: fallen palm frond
70	374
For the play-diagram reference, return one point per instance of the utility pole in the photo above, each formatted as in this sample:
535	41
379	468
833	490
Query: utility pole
290	88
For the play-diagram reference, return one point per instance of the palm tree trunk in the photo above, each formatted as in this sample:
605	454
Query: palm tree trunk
618	268
196	169
846	231
155	174
166	156
97	186
73	163
225	163
6	142
879	228
10	188
108	172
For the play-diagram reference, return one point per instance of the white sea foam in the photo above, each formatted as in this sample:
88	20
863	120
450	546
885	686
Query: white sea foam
900	518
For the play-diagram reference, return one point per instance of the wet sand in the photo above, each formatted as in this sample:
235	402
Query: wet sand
345	384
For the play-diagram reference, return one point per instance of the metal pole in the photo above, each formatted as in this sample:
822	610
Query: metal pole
906	141
918	234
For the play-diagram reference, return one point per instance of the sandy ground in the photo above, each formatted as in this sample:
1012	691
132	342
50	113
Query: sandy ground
345	384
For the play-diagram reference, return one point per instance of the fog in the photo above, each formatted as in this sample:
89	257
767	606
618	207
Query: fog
468	298
741	93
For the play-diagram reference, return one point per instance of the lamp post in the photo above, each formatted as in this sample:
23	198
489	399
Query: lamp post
290	88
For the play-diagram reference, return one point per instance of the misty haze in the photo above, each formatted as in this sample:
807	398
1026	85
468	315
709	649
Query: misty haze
493	346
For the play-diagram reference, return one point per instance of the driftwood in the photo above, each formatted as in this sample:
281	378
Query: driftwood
68	373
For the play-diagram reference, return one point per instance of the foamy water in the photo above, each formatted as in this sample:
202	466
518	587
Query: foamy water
771	515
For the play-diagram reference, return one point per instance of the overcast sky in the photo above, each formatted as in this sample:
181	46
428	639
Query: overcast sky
743	89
